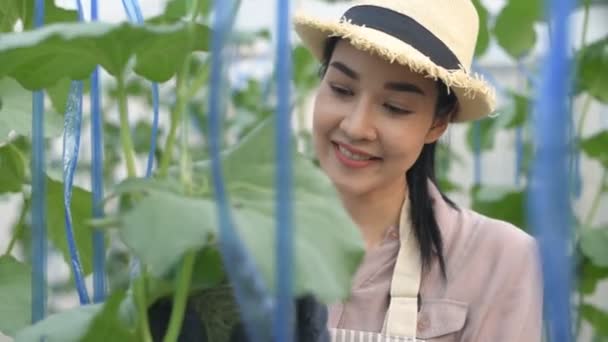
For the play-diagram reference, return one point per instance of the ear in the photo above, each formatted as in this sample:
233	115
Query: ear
437	129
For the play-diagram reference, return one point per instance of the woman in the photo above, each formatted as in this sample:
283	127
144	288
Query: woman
395	74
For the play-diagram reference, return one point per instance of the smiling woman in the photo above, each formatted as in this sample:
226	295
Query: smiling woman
394	77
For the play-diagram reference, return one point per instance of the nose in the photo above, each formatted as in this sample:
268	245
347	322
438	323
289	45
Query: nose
359	124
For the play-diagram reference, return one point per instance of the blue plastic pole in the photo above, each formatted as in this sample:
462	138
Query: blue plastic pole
99	257
256	305
549	202
39	243
283	320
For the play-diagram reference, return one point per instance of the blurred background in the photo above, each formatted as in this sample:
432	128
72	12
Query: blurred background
483	165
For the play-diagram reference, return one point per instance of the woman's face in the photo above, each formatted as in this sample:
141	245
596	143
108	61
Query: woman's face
371	120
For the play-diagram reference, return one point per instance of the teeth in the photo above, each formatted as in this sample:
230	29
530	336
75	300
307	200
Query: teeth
352	155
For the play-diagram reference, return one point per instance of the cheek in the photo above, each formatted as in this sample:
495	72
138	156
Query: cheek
324	118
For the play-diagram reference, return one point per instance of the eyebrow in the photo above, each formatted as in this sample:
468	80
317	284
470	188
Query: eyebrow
396	86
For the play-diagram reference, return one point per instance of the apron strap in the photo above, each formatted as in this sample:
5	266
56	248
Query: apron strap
402	315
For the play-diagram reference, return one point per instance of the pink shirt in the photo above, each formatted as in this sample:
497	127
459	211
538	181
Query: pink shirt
493	290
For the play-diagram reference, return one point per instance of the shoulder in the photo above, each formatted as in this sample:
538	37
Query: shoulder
473	236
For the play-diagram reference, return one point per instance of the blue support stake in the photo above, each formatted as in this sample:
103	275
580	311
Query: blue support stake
256	305
284	311
39	241
549	201
99	257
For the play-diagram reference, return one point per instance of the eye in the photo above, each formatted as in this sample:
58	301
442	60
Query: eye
396	110
340	90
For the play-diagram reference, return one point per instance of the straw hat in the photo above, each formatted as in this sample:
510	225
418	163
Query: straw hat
436	38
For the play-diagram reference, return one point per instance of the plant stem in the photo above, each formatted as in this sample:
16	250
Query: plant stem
142	306
180	298
129	151
175	120
125	130
596	200
19	229
584	112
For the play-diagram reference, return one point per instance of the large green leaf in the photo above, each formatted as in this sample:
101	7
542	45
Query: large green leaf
15	292
595	147
88	323
514	26
81	213
40	58
12	164
483	38
13	10
107	325
593	245
16	112
327	245
592	68
502	203
596	317
164	225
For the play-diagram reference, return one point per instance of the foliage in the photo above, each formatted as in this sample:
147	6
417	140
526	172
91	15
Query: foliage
164	219
515	30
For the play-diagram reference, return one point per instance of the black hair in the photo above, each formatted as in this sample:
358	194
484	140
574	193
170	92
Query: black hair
422	215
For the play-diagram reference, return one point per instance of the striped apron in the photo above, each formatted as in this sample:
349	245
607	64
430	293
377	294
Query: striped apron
401	318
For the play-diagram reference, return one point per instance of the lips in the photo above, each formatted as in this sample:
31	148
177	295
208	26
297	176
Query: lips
352	157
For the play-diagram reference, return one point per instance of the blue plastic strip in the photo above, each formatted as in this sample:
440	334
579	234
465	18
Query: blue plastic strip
39	245
256	305
477	153
133	11
71	147
549	201
99	257
283	319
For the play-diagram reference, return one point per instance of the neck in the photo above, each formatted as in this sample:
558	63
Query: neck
374	212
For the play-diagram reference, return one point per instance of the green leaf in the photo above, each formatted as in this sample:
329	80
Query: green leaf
593	245
91	323
82	209
590	276
13	10
15	292
514	27
107	326
9	15
16	112
74	49
501	203
305	68
595	147
164	225
596	317
12	164
592	68
483	38
487	131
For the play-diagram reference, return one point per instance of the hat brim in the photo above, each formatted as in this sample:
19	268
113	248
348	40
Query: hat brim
476	98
